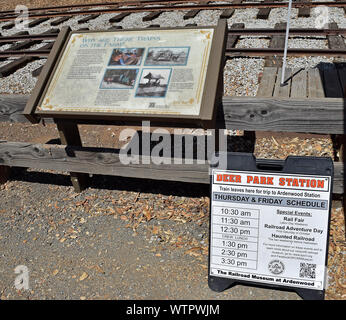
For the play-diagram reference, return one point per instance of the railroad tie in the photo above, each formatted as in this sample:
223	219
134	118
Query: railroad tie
263	13
228	13
304	12
88	18
36	22
119	17
60	20
276	41
151	16
233	39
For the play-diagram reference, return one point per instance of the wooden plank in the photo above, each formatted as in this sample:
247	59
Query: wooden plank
23	45
304	12
36	22
60	20
232	39
37	72
276	41
335	42
107	162
151	16
21	33
248	113
191	14
299	83
4	173
69	135
266	86
119	17
315	84
13	66
228	13
279	91
325	116
8	26
88	18
331	83
263	13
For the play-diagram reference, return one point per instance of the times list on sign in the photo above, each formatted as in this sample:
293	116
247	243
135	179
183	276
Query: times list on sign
269	228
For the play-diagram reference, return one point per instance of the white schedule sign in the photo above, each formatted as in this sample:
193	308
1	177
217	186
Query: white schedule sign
269	228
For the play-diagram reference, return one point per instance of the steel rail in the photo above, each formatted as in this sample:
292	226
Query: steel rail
185	7
104	4
231	32
297	52
230	52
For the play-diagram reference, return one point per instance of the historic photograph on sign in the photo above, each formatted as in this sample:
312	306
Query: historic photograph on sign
119	79
126	57
167	56
153	83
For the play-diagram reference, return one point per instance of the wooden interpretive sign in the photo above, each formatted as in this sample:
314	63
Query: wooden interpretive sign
161	75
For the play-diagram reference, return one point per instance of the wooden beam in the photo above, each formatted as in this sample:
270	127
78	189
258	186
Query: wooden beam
69	135
4	173
107	162
313	115
232	39
276	41
263	13
324	116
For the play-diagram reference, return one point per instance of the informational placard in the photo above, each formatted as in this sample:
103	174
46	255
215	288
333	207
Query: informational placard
141	72
270	228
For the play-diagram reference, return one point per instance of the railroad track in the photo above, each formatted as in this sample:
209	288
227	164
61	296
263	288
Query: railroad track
21	42
163	6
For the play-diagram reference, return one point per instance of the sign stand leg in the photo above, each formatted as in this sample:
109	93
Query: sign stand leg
69	135
4	173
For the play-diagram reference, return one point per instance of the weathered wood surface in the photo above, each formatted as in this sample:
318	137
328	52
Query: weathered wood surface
232	39
287	115
276	41
267	83
69	135
228	13
279	91
263	13
119	17
304	12
151	16
299	83
247	113
87	18
315	84
107	162
60	20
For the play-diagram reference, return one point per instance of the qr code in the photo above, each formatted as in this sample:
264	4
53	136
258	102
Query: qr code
307	270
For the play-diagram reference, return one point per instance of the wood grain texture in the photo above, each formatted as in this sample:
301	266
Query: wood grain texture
95	161
299	83
107	162
232	39
315	84
276	41
266	86
324	116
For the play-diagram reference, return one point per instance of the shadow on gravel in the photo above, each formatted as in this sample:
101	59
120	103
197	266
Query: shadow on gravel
115	183
244	143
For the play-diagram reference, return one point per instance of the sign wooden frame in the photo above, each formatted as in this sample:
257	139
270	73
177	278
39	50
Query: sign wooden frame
211	96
